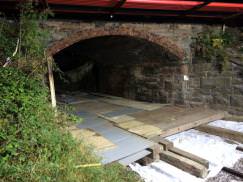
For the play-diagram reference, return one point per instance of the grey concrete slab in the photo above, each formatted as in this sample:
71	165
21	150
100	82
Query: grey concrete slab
85	114
112	133
125	148
126	142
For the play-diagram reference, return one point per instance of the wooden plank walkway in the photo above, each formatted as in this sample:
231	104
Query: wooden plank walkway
122	140
145	120
122	123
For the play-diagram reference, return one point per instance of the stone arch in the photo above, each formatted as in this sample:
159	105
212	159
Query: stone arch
163	41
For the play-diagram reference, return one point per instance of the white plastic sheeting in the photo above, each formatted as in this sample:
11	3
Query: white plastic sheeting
216	150
232	125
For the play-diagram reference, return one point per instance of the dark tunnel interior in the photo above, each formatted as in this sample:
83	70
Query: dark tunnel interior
122	66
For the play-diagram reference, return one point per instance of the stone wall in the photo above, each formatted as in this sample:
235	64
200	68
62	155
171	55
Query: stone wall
222	90
206	84
176	38
144	82
152	82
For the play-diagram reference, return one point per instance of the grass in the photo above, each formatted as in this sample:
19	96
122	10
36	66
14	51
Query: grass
34	147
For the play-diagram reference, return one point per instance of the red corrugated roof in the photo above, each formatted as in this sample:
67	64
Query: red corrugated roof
220	9
156	4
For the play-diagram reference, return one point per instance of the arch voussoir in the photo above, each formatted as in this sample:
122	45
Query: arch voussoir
163	41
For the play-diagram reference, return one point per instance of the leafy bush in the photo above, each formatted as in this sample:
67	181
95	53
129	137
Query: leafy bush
33	147
211	46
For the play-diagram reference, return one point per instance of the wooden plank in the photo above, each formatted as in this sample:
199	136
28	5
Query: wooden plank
92	138
130	103
145	161
147	131
117	119
230	117
193	124
155	152
166	144
188	155
130	124
222	132
51	82
99	142
166	115
184	164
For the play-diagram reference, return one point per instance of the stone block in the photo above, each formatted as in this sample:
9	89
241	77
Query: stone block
220	98
238	89
194	82
207	83
224	82
236	101
168	85
212	73
235	110
228	73
237	80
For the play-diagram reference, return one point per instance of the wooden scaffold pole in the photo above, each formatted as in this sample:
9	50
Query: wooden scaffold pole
51	82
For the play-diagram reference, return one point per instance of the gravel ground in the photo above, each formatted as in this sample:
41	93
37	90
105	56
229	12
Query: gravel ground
226	177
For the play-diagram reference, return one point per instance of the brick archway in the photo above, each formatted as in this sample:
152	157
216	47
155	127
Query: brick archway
164	42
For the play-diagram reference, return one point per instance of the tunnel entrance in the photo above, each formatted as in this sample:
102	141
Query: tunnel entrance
123	66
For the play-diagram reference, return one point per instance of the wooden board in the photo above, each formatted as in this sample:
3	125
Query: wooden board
92	138
184	164
222	132
175	119
166	144
127	102
191	156
99	142
230	117
189	125
130	124
147	131
169	146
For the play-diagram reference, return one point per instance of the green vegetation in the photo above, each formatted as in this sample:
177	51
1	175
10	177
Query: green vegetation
34	146
213	46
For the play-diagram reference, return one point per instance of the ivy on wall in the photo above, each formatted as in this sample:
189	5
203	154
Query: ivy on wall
215	46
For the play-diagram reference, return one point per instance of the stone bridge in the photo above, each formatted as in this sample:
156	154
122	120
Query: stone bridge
174	38
162	84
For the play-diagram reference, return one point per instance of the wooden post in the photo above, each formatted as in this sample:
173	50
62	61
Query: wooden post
51	82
